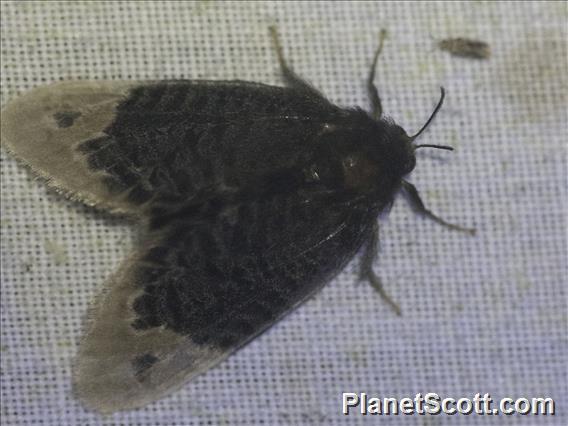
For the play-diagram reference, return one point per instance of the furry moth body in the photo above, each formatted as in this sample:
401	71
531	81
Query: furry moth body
251	198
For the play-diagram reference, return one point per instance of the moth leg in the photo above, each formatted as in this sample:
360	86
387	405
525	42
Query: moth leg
372	89
369	274
418	205
290	76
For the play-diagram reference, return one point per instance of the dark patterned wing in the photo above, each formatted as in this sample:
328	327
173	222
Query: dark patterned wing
202	287
240	229
45	127
121	145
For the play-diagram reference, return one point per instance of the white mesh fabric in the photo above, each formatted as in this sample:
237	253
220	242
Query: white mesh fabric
481	314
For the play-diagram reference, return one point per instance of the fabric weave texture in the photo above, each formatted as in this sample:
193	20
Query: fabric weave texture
483	314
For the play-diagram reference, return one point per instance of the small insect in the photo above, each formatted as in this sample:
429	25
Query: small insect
251	197
466	48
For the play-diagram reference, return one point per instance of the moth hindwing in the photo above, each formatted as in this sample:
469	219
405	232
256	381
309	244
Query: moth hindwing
251	197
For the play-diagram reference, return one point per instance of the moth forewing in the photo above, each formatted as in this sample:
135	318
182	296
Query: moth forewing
44	128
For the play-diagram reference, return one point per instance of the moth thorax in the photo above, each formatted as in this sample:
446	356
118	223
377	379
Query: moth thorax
359	172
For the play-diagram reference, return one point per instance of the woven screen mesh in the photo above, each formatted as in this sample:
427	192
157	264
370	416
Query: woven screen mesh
480	314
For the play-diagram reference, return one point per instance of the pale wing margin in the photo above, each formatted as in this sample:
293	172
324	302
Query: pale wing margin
44	127
121	368
122	365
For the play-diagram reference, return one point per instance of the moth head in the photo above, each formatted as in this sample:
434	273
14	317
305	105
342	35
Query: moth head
366	156
407	142
350	160
400	147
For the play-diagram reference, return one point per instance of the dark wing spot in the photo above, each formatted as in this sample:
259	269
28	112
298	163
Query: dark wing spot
65	119
142	363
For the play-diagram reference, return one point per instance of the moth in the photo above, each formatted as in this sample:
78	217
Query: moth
466	48
250	198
